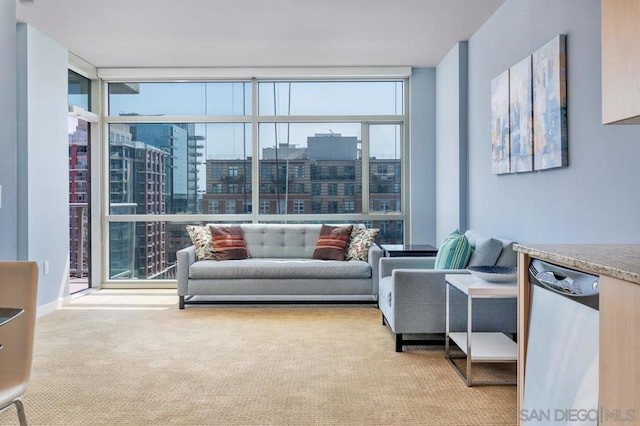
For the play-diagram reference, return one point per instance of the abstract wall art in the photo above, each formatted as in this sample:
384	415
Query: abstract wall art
529	112
550	105
521	116
500	124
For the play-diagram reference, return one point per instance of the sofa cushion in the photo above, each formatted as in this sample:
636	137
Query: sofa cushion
271	240
279	268
454	252
332	242
201	238
361	240
228	243
485	252
507	256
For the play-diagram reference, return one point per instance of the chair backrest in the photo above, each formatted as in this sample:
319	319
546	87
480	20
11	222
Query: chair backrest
18	289
507	257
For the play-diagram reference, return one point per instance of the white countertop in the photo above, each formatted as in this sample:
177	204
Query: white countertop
477	287
620	261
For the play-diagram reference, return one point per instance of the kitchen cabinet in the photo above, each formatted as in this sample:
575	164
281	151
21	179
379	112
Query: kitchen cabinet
619	348
620	61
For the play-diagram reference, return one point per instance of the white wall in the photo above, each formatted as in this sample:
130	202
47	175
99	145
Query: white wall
595	199
451	142
43	205
8	146
421	157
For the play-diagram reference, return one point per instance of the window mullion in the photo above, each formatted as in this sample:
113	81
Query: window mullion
255	149
365	167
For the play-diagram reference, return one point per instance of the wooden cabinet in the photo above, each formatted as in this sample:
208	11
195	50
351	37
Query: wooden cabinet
619	349
620	61
524	302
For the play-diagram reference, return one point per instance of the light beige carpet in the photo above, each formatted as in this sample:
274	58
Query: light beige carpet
132	358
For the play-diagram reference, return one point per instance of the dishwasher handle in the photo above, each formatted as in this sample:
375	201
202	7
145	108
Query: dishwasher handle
558	283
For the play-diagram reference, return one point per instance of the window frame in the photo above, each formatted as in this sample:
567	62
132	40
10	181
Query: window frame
254	120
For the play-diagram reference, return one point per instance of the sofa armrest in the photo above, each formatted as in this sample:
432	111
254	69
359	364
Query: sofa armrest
413	285
388	264
185	258
375	253
418	299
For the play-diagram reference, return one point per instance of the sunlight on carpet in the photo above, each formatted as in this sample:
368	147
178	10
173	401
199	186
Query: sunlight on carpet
125	357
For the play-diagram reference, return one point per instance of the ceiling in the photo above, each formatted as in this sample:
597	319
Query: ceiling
258	33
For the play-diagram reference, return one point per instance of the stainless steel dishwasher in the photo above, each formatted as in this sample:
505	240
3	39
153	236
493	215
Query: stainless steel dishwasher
561	368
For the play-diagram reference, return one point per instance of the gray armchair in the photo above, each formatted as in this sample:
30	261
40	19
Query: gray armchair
411	296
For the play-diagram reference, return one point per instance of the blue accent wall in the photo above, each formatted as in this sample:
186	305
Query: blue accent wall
451	142
8	132
43	158
594	199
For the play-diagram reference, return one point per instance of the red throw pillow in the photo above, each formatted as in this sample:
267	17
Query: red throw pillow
228	243
332	242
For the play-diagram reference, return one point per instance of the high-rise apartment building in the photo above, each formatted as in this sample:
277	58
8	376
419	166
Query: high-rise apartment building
78	200
138	185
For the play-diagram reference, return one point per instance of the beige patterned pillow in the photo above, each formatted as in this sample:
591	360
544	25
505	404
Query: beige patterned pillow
361	240
201	238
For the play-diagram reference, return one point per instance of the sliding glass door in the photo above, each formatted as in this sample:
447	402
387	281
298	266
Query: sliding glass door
79	184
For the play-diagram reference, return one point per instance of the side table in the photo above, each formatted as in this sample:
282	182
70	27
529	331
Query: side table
409	250
479	346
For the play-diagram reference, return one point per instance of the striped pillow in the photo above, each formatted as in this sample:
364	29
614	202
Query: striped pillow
454	252
332	242
228	243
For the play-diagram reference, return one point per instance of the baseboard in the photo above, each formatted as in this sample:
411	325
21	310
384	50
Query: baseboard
52	306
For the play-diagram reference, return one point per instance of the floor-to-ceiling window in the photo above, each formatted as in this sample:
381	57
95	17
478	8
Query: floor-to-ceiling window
247	151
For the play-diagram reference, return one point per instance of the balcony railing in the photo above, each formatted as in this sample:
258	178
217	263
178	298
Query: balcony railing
79	243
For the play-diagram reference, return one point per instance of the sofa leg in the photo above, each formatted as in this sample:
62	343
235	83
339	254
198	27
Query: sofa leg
398	342
384	322
181	302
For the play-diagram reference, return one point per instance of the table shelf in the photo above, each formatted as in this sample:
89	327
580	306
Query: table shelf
487	347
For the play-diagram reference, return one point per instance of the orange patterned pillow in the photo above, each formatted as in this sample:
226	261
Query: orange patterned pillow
332	242
228	243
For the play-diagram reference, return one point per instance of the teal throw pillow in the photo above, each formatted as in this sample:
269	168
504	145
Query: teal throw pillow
454	252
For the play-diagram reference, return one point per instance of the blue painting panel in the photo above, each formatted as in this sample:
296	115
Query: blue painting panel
550	105
500	123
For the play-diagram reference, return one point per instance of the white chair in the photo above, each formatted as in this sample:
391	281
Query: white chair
18	289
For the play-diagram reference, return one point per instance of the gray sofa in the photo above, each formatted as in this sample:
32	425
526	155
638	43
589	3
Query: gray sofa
281	268
412	295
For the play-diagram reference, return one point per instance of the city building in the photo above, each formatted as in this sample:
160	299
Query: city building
78	200
138	185
325	177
